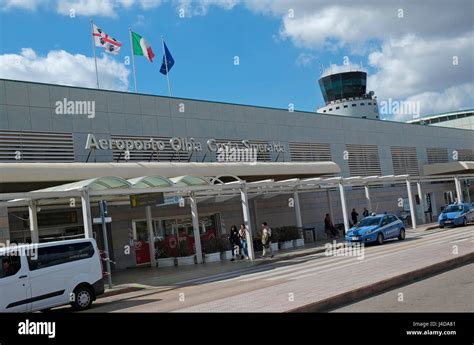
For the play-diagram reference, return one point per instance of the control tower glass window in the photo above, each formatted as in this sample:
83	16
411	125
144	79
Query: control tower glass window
343	85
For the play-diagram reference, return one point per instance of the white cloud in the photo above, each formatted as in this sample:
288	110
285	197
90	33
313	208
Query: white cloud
201	7
305	59
317	23
31	5
412	64
105	8
453	98
61	67
147	4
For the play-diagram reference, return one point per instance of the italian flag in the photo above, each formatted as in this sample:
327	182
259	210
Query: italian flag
141	47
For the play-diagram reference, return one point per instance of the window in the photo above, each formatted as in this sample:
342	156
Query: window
345	106
392	219
369	221
61	254
363	160
369	103
11	264
437	155
330	109
354	105
338	107
36	146
405	160
362	104
386	220
310	152
324	111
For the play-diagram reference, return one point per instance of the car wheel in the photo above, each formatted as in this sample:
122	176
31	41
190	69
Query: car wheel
401	236
379	239
464	222
441	227
83	298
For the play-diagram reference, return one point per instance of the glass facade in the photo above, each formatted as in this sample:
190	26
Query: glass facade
343	85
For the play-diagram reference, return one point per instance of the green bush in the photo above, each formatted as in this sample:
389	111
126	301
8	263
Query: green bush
225	243
285	233
183	249
215	245
161	250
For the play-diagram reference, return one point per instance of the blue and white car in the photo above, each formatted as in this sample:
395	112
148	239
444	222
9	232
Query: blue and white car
376	228
456	215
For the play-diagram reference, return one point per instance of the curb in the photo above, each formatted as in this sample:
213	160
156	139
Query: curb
119	291
379	287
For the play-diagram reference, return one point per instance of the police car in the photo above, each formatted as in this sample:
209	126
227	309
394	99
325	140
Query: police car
376	228
458	214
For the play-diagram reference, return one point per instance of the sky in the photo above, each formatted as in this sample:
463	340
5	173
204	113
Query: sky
258	52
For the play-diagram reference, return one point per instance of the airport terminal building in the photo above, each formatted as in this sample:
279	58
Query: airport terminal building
53	135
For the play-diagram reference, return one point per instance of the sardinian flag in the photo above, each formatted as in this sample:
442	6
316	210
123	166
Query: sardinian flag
101	39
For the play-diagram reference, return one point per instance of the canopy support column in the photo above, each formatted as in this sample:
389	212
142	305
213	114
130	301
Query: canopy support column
247	223
197	235
367	198
412	205
151	236
33	217
458	189
422	201
344	207
86	213
299	220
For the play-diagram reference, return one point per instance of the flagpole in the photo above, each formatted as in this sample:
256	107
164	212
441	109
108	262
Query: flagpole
166	65
133	60
95	57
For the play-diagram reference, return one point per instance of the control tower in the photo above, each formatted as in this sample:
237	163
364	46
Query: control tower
345	94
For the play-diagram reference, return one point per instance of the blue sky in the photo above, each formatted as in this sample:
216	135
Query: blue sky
270	48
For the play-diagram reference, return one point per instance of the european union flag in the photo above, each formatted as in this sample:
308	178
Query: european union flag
168	61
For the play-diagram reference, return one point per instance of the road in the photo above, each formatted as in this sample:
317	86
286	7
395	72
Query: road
451	291
294	283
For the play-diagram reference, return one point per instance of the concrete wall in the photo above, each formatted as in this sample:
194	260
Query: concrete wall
30	106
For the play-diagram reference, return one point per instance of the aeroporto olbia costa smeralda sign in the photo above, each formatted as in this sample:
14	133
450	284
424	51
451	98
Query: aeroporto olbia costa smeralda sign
183	144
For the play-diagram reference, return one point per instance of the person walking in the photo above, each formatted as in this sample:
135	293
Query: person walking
329	226
243	241
234	240
365	213
354	216
266	239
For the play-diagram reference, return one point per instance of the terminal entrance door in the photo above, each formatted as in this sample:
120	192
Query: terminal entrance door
141	241
172	236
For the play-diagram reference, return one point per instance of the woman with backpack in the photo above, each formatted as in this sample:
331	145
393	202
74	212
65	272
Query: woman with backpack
266	240
243	241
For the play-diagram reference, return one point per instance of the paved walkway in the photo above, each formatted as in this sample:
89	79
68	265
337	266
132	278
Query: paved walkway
169	277
296	283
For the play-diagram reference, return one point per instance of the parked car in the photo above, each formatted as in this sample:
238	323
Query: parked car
456	215
46	275
376	228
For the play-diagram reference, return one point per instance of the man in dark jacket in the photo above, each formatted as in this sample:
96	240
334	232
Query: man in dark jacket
354	216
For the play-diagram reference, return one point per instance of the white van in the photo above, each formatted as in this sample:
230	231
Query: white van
46	275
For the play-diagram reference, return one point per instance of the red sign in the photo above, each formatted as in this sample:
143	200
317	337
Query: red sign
142	252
